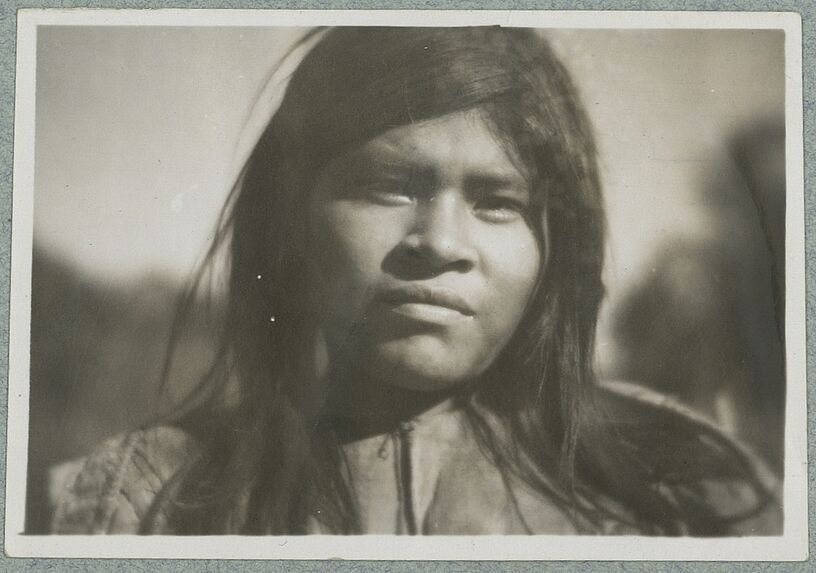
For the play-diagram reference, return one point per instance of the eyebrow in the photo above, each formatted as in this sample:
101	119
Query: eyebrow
490	181
479	182
387	159
360	164
483	176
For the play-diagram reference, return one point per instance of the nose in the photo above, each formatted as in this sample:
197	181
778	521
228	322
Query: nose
440	237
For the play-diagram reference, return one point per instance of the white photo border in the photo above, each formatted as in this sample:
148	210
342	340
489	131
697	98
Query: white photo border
791	546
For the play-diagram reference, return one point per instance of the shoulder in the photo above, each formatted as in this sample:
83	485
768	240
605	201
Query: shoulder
119	487
721	486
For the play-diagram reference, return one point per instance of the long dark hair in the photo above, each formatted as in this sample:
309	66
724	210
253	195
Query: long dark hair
538	411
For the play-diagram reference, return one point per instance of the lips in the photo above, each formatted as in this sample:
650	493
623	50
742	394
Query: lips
426	298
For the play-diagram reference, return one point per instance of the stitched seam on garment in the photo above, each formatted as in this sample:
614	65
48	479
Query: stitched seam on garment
152	478
348	475
142	453
406	478
125	496
398	526
107	505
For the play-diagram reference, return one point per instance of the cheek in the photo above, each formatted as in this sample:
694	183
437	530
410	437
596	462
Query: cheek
521	263
349	247
511	263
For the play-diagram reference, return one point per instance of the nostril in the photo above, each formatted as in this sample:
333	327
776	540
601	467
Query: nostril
461	265
414	251
438	256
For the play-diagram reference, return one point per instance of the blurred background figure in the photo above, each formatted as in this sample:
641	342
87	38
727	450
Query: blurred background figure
706	324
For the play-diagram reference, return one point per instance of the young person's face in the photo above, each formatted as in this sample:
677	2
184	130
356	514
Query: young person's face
425	255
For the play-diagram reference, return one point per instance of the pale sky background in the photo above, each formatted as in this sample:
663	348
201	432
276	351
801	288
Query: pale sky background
137	127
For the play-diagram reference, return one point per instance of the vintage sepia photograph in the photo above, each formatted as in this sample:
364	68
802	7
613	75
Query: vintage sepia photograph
373	283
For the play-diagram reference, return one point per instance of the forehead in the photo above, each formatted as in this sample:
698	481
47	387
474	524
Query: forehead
457	143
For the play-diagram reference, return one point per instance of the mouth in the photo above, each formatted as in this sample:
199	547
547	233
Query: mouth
427	303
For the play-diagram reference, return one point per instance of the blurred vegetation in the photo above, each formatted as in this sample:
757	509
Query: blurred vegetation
97	354
707	324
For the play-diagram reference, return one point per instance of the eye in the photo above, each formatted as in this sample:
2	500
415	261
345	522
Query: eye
383	187
391	193
501	208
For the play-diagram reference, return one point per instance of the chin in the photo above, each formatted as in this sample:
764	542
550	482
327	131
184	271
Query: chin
428	367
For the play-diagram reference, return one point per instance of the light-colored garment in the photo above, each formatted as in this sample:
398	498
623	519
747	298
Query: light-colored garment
429	476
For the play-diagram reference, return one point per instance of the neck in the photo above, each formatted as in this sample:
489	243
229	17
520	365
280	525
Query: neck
364	407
